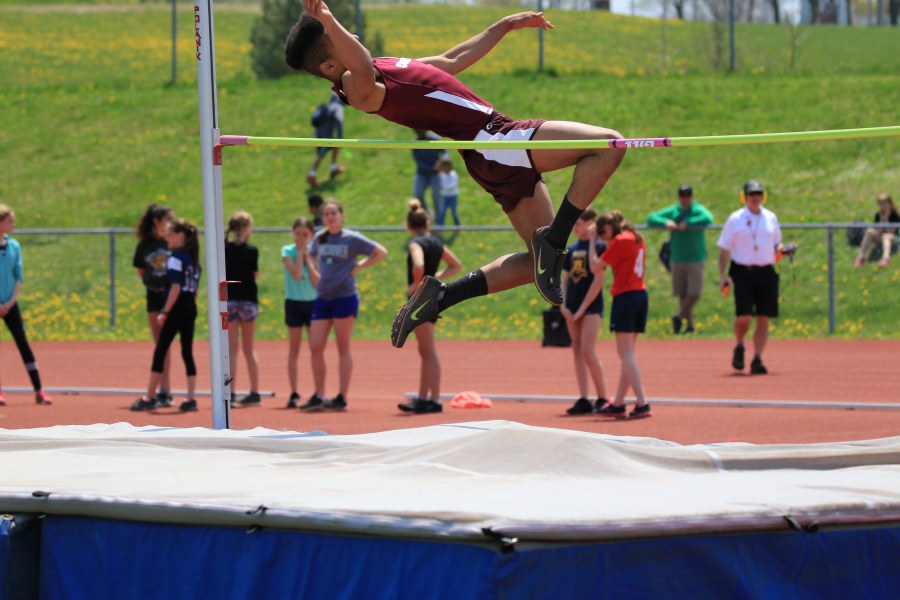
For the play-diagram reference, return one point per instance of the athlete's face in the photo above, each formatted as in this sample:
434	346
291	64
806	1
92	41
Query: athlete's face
302	236
174	239
332	217
8	224
754	201
606	232
582	229
162	224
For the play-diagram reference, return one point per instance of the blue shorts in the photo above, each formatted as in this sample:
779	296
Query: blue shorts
629	312
336	308
298	313
242	310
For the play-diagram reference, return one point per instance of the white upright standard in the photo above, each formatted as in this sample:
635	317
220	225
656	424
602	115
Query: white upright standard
213	220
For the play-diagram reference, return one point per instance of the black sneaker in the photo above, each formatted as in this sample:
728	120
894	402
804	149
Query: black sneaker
164	399
676	324
757	367
251	399
336	403
612	410
689	330
737	359
189	405
582	406
142	404
599	404
640	412
421	406
313	404
293	401
548	262
420	308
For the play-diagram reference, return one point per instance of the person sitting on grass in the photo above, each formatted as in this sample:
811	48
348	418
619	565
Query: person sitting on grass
887	213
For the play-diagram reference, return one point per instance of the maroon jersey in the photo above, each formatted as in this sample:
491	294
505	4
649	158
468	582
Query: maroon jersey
420	96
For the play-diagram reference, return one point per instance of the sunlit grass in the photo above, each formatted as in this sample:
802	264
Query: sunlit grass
93	131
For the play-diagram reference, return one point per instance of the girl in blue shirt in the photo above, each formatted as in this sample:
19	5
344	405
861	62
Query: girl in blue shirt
301	274
10	284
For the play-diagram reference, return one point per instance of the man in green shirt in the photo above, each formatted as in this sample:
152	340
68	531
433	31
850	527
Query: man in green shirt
686	220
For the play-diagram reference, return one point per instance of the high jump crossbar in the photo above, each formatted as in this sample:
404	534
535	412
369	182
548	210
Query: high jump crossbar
653	142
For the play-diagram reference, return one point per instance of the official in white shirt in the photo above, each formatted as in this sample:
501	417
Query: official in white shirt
748	246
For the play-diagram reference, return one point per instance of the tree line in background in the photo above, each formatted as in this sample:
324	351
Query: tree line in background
278	17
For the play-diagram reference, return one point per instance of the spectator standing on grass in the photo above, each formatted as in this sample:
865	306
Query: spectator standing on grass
242	268
337	251
626	253
11	277
748	247
449	181
315	202
328	121
426	175
426	253
582	309
688	252
887	213
178	314
150	257
301	274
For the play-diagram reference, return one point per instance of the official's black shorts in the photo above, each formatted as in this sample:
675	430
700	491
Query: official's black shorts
755	290
298	313
156	300
629	312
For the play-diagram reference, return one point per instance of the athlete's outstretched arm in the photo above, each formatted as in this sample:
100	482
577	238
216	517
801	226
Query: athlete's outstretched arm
359	81
462	56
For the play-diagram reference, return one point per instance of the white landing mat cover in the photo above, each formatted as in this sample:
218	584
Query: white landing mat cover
446	481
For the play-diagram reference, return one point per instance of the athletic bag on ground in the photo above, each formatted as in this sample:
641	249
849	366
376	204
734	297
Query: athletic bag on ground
555	331
665	255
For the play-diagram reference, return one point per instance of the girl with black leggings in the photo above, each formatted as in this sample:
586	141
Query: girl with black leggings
178	314
10	284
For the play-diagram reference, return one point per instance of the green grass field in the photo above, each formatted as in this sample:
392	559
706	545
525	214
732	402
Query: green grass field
93	131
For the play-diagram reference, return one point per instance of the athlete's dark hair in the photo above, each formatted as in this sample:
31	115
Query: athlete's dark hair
236	224
589	214
617	220
191	243
416	218
303	222
145	229
323	235
303	48
314	201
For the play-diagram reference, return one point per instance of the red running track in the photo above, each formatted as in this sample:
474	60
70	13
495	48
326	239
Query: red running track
838	372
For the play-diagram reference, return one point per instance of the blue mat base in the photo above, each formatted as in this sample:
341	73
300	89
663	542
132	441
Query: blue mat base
96	558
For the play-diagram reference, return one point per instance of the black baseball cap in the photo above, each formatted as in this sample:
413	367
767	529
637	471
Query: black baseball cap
685	189
753	187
